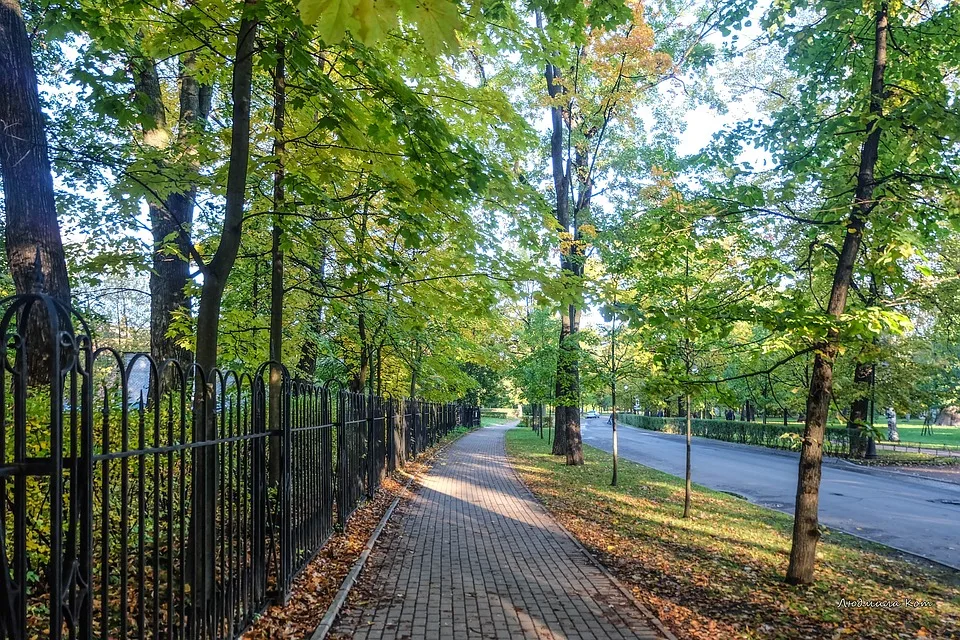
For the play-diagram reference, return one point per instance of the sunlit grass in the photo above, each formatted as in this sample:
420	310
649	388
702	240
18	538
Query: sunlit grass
720	572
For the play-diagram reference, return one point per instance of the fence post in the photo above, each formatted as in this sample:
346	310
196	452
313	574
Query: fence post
371	447
258	509
395	443
85	486
391	436
286	486
341	488
415	427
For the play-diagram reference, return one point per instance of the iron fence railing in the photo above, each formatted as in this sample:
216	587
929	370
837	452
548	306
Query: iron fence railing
156	500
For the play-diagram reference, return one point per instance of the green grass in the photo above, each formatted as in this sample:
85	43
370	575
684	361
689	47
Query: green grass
489	421
941	435
910	432
720	573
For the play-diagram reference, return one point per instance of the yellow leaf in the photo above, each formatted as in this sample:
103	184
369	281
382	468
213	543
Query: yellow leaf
374	18
331	17
437	22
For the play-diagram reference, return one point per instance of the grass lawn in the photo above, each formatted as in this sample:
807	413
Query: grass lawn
720	573
488	421
941	435
910	432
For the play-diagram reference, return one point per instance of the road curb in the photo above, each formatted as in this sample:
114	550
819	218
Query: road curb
647	613
839	462
853	466
330	616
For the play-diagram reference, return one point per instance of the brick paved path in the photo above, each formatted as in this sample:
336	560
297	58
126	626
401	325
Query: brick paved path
473	555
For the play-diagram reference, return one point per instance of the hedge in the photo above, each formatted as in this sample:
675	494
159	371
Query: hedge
775	436
497	413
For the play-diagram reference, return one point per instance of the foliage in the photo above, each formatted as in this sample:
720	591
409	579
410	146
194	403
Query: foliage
433	222
754	433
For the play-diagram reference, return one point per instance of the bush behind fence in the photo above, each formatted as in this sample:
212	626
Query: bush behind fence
156	500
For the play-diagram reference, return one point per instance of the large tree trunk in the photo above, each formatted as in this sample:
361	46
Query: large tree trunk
806	532
171	270
31	229
948	416
568	440
215	273
276	279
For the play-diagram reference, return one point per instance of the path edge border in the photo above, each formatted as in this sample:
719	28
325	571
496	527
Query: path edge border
647	613
333	611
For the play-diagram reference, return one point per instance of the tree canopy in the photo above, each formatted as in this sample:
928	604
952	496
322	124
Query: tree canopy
758	201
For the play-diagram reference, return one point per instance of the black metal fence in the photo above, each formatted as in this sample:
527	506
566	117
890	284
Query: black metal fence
156	500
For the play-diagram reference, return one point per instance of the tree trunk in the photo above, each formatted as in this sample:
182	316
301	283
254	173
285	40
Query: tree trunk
688	485
948	416
215	276
218	270
309	350
379	388
613	393
32	230
806	532
173	217
859	410
568	440
613	422
359	379
560	410
276	250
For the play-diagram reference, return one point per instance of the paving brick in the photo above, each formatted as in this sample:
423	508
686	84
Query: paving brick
472	555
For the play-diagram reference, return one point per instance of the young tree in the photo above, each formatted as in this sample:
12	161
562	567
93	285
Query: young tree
845	180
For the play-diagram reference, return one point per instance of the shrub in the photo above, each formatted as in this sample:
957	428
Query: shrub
775	436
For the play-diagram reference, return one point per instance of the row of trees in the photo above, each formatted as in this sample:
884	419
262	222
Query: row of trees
269	188
807	250
361	192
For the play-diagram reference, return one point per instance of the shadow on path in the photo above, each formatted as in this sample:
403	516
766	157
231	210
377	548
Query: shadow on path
473	555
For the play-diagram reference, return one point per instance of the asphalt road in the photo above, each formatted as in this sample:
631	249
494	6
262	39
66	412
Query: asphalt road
921	516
